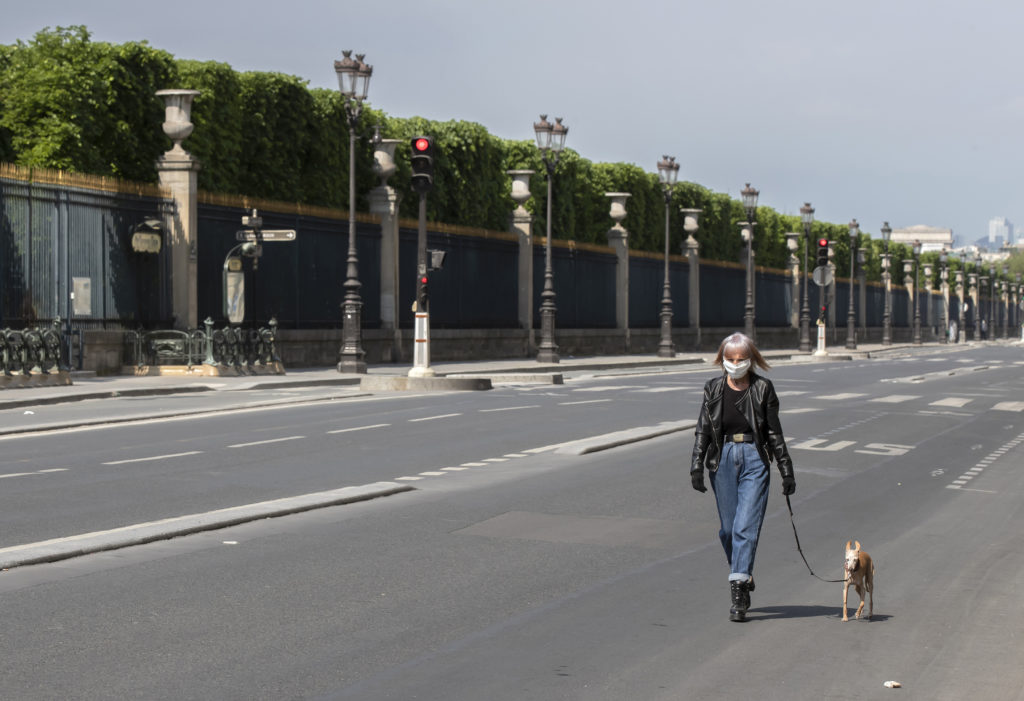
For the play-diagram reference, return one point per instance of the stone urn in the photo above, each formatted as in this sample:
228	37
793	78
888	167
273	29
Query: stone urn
177	116
384	159
618	207
520	185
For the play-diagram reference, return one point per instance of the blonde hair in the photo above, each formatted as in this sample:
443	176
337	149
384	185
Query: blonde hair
742	342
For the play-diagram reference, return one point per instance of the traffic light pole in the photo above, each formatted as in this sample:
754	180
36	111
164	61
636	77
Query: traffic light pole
421	351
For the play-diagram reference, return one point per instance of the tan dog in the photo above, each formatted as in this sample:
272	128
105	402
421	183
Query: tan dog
859	570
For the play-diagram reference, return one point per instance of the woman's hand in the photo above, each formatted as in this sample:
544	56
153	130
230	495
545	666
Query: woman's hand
697	480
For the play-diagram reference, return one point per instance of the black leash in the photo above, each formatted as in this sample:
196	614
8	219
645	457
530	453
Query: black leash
798	548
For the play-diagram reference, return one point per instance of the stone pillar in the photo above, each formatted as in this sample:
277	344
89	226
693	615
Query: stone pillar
792	242
384	204
618	239
691	223
926	306
178	171
521	224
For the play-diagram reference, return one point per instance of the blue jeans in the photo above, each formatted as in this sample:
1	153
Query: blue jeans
741	491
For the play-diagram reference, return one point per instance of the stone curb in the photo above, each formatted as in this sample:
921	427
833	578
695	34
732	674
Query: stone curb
138	534
400	383
619	438
550	378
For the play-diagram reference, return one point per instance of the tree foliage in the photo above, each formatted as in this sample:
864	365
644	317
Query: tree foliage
68	102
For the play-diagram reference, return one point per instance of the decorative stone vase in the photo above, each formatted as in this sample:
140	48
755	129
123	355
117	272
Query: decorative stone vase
618	207
384	159
177	116
520	185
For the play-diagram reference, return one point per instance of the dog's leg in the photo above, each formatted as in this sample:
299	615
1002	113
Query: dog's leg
860	593
869	583
846	590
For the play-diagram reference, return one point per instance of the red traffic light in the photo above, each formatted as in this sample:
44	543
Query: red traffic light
822	242
421	144
423	280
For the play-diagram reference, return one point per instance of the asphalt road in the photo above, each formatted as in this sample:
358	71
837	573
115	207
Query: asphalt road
545	576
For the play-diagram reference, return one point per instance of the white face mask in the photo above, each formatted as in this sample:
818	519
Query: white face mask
736	370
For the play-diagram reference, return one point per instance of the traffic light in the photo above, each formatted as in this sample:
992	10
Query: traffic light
422	164
822	252
422	294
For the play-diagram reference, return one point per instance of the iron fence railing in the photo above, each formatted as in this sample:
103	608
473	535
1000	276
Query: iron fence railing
34	350
244	349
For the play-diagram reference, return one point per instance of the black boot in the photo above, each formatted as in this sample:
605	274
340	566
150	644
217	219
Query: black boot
740	601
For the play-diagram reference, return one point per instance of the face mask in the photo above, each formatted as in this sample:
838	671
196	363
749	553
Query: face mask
736	370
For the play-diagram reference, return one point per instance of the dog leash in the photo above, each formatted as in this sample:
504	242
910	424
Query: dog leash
801	550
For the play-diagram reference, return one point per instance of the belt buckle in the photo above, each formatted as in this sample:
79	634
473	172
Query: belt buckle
737	438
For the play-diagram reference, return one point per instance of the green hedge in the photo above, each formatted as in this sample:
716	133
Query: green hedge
68	102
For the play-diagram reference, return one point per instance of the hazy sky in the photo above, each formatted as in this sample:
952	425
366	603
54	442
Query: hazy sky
898	110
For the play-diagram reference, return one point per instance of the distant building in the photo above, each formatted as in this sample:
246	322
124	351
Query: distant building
1000	231
932	238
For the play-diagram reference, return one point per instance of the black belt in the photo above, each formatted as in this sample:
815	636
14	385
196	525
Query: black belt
740	438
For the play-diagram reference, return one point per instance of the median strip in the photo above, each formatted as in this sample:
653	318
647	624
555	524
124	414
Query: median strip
164	529
618	438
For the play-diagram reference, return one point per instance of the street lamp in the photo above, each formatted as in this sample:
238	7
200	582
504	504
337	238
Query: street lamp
550	141
887	277
749	195
807	217
978	307
917	293
353	82
1006	307
944	277
851	317
1017	308
992	301
668	171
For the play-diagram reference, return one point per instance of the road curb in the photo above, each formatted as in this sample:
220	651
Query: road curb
619	438
401	383
86	543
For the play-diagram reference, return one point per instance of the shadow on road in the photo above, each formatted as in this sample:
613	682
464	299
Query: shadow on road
767	613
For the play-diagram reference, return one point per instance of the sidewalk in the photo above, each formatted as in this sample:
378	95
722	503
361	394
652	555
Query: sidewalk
89	386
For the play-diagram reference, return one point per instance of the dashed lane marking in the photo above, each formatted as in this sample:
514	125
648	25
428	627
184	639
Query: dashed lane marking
585	401
510	408
895	398
802	410
1009	406
431	418
269	440
957	402
791	393
37	472
842	396
358	428
153	457
607	388
985	462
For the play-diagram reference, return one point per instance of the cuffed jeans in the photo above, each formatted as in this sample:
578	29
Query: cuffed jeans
741	491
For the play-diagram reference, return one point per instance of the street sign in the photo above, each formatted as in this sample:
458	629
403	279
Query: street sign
822	276
266	235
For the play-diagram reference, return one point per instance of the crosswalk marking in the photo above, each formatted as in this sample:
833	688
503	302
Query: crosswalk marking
896	398
842	395
1009	406
952	401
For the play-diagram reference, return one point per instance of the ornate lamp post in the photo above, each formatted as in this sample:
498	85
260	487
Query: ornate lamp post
978	307
960	311
851	317
944	278
1017	308
550	141
749	195
917	293
353	82
886	278
668	172
992	302
807	218
1006	305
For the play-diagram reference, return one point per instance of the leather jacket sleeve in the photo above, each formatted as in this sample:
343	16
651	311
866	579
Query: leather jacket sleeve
702	434
774	440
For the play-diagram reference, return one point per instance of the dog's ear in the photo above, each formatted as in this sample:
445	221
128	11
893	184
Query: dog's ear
849	545
856	545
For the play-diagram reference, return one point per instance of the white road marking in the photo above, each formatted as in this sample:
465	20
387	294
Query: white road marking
153	457
358	428
815	444
433	474
957	402
408	479
269	440
803	410
17	474
585	401
454	469
842	396
474	464
607	388
431	418
511	408
896	398
54	469
1009	406
515	455
496	460
791	393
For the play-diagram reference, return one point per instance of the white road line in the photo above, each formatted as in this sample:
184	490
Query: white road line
431	418
957	402
662	389
515	455
1009	406
358	428
511	408
841	396
896	398
474	464
543	449
607	388
496	460
17	474
53	469
153	457
408	479
803	410
433	474
791	393
815	444
585	401
269	440
454	469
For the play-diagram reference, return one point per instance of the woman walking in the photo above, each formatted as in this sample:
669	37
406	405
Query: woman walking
737	435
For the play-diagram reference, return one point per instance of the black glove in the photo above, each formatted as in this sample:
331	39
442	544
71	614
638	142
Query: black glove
788	485
697	480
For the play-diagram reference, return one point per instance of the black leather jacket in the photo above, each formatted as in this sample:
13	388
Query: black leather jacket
761	407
